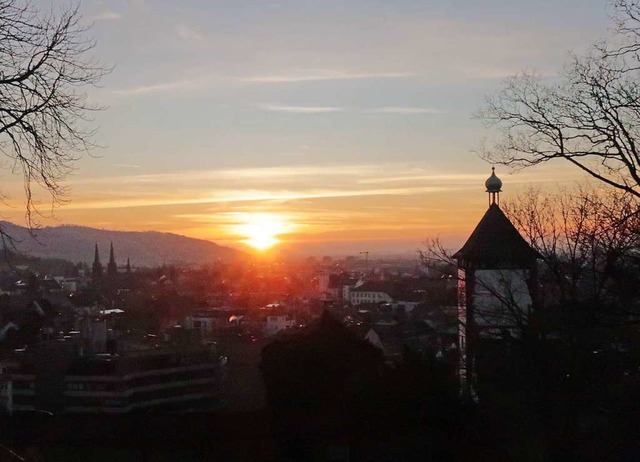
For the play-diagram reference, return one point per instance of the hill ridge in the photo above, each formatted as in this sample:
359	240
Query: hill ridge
144	248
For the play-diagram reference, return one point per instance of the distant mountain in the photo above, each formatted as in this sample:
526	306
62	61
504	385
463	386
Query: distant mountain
148	248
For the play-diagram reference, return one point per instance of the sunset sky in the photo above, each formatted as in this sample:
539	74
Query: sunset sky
351	120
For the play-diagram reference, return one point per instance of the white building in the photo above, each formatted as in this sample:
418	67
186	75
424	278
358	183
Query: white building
276	322
207	321
372	292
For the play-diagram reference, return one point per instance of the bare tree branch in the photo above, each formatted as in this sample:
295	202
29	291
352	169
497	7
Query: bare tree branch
588	239
45	64
590	117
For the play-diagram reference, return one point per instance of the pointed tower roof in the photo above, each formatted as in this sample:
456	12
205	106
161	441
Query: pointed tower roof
96	269
112	268
496	243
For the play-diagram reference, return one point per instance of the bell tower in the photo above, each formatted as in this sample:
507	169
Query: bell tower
496	284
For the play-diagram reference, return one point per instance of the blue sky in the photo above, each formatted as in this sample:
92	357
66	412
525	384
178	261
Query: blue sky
217	108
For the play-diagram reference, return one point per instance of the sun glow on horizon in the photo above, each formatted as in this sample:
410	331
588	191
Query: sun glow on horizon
261	230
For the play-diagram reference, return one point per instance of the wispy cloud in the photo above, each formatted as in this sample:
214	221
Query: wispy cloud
400	110
329	202
341	175
127	165
405	110
107	15
164	87
303	109
245	174
311	75
188	32
439	178
253	195
256	187
285	183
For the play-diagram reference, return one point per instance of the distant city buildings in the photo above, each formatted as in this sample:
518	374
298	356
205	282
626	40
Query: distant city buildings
128	341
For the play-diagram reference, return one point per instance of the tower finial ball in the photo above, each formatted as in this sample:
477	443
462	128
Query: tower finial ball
493	183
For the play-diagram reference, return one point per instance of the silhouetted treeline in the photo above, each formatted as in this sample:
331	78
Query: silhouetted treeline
328	389
536	400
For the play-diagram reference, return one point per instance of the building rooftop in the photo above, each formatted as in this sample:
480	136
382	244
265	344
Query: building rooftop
388	287
496	243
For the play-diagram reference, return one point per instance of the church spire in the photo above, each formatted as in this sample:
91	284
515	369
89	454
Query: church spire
112	268
128	265
97	266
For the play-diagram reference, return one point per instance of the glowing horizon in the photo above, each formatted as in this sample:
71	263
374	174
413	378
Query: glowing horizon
399	204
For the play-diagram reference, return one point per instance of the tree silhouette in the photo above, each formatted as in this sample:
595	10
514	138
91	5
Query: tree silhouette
318	370
589	118
45	64
317	381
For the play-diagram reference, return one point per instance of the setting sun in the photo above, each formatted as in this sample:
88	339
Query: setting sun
261	230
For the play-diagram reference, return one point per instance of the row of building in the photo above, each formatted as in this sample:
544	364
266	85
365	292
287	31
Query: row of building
59	379
401	292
